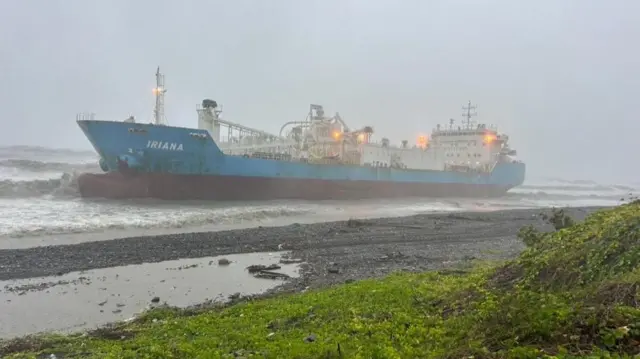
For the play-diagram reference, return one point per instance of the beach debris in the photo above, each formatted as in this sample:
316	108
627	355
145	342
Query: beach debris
310	338
243	354
223	262
271	275
290	260
186	266
34	287
255	268
266	272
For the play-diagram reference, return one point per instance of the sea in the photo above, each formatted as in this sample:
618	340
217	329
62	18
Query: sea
40	203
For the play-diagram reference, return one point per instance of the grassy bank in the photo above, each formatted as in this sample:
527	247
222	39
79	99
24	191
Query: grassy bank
572	293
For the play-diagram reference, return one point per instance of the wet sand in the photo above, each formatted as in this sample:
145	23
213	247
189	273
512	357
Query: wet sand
84	300
333	252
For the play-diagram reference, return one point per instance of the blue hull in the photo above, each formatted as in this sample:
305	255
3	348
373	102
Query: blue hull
145	160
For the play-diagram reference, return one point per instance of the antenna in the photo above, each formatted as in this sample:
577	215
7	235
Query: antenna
159	90
467	115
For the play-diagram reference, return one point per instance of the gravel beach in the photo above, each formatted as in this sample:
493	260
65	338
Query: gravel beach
356	248
323	253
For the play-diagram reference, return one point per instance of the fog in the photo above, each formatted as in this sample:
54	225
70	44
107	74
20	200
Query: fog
560	77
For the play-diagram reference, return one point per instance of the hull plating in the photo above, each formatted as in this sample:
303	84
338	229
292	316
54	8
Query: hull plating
231	188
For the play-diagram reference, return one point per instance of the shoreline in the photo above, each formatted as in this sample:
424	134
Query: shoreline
294	212
446	245
311	242
325	253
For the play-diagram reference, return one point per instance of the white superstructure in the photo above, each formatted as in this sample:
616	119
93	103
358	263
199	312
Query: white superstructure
323	139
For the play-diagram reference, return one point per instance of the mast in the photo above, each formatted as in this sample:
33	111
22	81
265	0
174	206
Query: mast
467	115
158	91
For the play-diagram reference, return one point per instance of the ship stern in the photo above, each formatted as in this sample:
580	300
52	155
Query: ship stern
508	175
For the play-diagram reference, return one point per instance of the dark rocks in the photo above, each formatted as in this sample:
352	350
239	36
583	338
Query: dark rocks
310	339
266	272
223	262
186	266
271	275
255	268
290	260
23	289
155	300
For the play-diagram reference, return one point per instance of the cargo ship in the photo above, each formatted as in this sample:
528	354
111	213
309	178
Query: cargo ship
317	158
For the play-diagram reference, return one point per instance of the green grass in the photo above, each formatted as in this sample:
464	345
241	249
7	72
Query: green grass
572	293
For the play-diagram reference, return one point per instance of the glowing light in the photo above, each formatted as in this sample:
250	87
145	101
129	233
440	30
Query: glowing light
157	90
361	137
422	141
336	135
489	138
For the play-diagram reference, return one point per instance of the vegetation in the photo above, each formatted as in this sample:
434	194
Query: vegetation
573	293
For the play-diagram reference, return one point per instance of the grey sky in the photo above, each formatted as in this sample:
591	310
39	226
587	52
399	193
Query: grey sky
559	76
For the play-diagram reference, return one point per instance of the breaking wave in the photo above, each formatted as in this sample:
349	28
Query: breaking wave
24	149
65	186
41	166
174	219
581	188
594	187
542	195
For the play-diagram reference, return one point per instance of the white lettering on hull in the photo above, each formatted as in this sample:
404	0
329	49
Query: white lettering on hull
167	146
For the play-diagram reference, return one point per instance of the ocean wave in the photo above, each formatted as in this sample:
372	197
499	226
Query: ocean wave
536	195
43	166
175	219
568	181
44	150
66	185
594	187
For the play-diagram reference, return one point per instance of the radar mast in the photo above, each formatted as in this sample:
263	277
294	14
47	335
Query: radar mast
158	91
468	114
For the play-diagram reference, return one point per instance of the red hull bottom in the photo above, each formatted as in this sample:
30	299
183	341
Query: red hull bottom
232	188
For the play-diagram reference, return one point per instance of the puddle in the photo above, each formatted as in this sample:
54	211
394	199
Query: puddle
88	299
